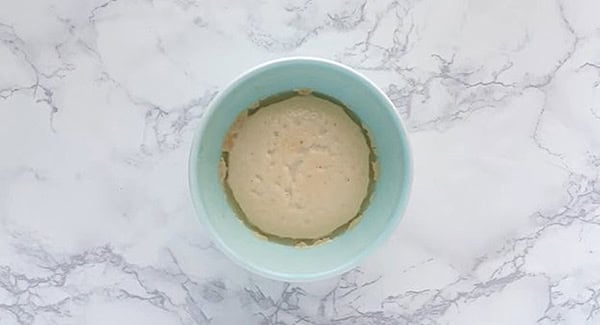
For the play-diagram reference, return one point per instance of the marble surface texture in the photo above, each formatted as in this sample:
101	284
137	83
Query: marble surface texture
99	100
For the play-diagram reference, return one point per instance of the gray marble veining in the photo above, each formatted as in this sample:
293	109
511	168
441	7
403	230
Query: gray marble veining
99	101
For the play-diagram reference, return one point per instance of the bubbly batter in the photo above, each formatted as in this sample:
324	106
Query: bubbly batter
297	168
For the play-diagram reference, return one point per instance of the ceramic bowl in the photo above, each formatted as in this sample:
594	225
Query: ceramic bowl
342	252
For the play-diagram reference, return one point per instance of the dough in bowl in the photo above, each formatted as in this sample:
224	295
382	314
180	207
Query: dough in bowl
298	168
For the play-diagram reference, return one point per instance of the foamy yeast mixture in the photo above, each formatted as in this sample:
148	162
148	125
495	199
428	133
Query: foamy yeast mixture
298	168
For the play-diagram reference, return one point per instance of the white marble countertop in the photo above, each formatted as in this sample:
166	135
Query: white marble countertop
99	101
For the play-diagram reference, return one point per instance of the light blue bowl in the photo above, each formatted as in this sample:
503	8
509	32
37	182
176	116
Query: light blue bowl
389	198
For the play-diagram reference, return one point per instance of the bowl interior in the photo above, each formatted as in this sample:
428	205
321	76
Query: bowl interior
387	202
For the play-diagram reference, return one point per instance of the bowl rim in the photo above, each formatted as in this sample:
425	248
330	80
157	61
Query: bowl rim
198	201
